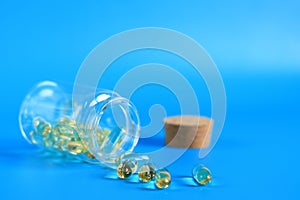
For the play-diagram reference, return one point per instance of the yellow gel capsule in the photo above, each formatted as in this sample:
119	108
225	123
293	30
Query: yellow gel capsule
64	131
74	147
162	178
41	126
202	175
55	141
63	145
146	173
124	170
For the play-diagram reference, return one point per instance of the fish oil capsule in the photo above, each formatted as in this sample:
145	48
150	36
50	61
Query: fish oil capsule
162	178
146	173
41	126
64	131
74	147
124	170
202	175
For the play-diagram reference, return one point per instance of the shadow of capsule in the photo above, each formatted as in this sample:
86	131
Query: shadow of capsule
111	175
148	186
185	181
178	183
133	179
190	182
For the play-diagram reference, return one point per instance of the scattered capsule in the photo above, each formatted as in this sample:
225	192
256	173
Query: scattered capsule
202	175
162	178
124	170
146	173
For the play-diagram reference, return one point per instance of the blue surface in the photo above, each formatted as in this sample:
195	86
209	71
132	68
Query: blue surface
256	46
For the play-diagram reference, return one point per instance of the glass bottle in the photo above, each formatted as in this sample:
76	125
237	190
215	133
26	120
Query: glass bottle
101	127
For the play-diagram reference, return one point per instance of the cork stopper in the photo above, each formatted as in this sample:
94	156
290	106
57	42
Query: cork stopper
188	131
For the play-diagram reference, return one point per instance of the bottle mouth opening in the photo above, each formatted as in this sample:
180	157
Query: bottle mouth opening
115	129
119	113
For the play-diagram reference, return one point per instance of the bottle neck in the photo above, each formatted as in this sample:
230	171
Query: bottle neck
110	126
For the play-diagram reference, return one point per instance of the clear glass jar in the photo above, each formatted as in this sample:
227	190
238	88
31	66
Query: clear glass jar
101	128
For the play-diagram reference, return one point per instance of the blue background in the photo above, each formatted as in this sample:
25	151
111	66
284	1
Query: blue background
256	46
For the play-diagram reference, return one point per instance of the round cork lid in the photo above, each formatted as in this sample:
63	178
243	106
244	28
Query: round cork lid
188	131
